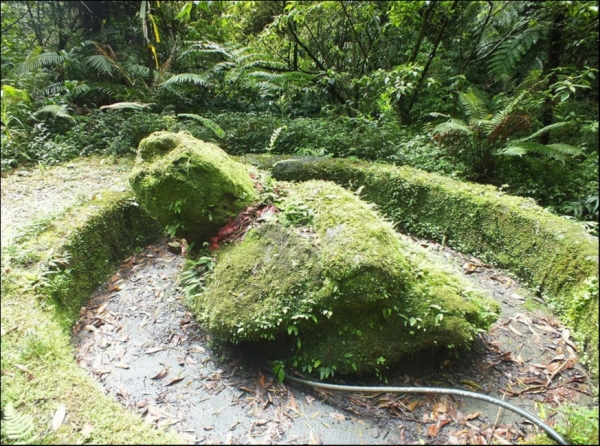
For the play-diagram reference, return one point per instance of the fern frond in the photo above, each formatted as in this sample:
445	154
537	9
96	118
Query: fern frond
507	56
101	63
126	106
548	128
205	121
18	426
187	78
42	60
109	89
62	111
274	137
55	88
557	151
473	105
454	125
510	124
137	70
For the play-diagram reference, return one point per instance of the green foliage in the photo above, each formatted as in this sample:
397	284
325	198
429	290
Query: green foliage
578	424
17	427
508	55
218	131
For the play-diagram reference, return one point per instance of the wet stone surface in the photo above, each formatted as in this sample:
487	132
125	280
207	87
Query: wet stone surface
142	345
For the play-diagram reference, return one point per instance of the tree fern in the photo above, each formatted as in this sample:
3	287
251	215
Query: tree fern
509	53
17	426
205	121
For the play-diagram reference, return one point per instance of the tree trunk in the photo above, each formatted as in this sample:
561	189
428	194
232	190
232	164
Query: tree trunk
555	50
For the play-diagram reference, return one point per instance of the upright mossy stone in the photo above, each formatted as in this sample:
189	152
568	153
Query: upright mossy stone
191	187
330	279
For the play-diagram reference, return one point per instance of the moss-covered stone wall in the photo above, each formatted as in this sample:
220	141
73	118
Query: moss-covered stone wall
549	253
85	245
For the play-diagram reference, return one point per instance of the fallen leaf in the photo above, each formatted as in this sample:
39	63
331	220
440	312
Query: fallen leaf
174	381
514	330
22	368
187	438
101	308
411	406
469	268
472	415
312	439
59	417
293	404
209	428
157	412
337	416
121	365
161	374
154	350
433	430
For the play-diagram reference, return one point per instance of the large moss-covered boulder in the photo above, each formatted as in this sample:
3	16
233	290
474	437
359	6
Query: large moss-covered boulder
330	279
191	187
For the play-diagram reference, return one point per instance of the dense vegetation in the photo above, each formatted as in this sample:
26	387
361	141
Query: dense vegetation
496	92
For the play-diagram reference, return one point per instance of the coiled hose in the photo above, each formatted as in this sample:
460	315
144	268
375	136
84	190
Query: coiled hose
430	390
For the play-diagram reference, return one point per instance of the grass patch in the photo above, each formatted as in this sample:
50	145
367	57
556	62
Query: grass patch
39	306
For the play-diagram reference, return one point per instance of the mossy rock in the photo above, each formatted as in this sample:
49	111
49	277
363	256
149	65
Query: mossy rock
191	187
330	277
550	254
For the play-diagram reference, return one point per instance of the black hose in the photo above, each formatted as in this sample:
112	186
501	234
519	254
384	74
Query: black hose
432	390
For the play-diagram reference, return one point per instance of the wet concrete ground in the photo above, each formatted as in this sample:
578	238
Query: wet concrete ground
136	337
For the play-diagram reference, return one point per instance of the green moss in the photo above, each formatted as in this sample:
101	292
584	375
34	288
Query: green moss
77	251
192	188
343	292
550	254
81	247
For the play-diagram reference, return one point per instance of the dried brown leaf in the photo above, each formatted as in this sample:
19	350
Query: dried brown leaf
174	381
514	330
337	416
120	365
161	374
411	406
292	404
433	430
154	350
157	412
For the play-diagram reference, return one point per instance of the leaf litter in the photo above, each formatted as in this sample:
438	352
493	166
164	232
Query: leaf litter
131	338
